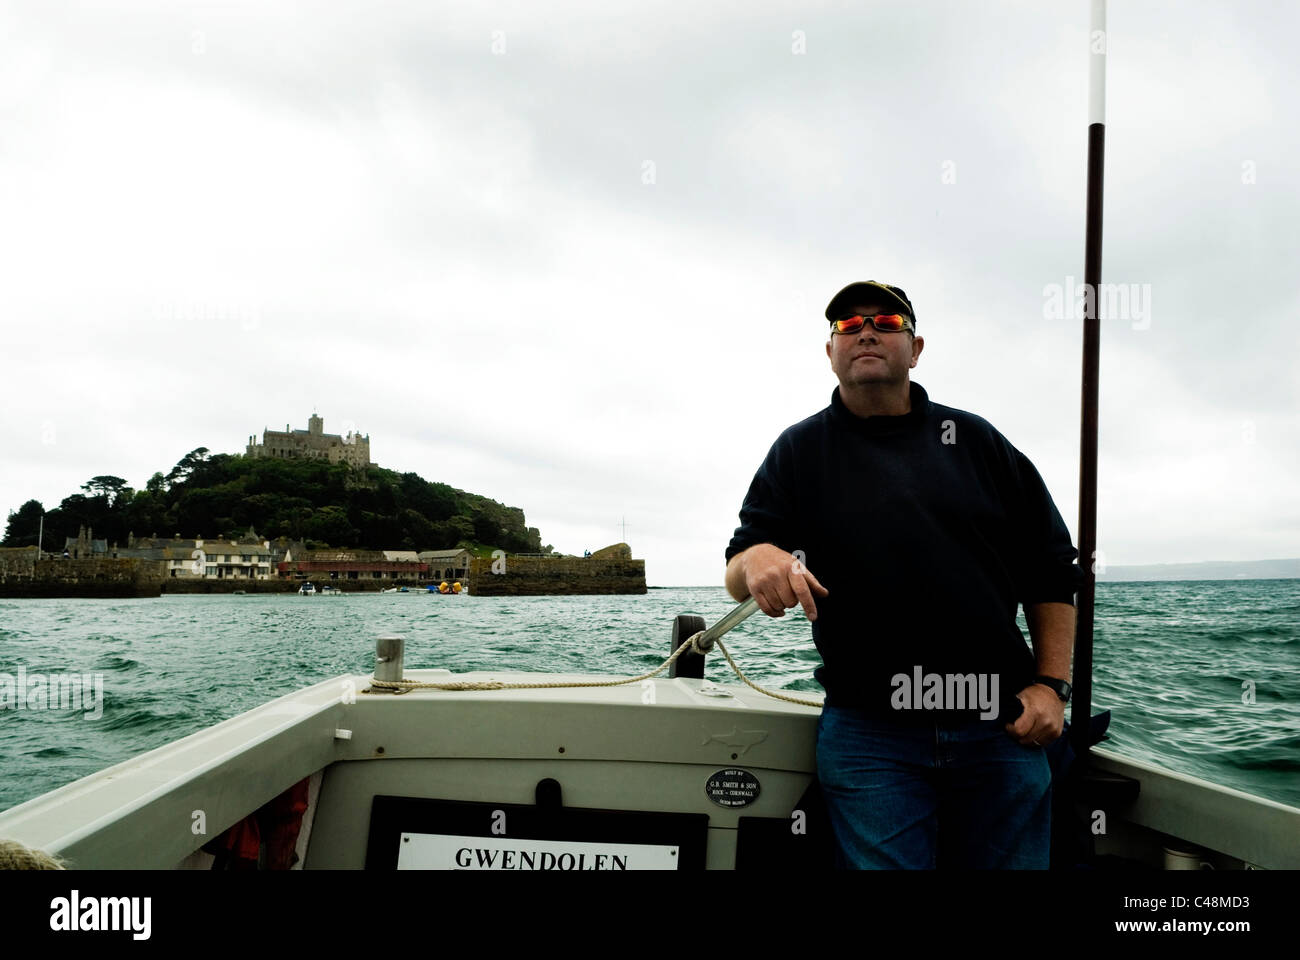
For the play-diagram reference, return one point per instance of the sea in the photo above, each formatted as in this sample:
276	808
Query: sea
1201	677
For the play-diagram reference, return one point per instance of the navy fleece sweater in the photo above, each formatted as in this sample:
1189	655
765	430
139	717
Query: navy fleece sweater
927	528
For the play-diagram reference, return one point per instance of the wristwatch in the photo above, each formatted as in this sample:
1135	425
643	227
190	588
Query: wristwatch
1060	687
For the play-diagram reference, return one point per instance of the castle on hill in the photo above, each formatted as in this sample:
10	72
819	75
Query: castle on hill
313	444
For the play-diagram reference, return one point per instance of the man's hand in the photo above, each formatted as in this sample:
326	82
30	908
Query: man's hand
1043	720
778	581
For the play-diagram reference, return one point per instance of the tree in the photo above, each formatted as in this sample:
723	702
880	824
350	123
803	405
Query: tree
331	525
464	527
419	530
106	486
24	525
81	510
486	529
185	466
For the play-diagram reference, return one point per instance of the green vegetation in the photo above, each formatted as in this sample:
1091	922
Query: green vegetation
321	503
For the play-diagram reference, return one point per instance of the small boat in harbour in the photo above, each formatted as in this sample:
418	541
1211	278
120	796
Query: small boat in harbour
307	590
444	588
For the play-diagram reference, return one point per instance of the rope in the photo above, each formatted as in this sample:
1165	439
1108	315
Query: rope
404	686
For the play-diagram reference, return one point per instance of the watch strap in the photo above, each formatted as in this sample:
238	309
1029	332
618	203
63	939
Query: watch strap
1060	687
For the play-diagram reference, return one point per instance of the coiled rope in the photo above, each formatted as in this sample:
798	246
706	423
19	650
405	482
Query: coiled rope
404	686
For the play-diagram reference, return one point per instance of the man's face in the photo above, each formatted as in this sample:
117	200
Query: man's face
872	356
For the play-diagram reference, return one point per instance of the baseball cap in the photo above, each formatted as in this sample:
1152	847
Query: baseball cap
847	299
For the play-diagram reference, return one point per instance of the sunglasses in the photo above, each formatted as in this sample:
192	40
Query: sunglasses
884	322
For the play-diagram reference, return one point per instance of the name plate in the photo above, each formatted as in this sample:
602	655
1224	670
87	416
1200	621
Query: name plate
428	851
425	833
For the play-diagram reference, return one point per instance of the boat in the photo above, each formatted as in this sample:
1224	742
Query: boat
330	591
396	590
444	588
307	590
411	769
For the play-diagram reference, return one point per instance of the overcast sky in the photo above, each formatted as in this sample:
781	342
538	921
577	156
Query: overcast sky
575	258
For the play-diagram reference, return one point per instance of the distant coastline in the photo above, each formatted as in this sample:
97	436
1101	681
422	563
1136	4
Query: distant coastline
1204	570
1145	572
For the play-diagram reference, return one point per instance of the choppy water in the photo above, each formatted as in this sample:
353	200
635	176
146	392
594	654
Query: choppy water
1171	661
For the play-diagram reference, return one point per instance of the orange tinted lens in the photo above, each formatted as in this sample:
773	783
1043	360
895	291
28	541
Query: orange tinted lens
849	325
889	321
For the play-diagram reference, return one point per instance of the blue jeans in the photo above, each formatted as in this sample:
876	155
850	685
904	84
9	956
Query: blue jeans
942	794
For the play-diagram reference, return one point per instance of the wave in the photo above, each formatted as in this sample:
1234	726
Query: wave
60	752
115	662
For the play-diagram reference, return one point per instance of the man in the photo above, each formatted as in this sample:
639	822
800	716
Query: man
909	532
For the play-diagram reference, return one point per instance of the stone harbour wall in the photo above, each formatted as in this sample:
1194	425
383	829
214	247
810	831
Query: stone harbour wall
544	576
21	575
99	577
17	562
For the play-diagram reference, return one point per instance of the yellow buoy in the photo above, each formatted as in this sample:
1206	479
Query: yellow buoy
455	587
442	587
